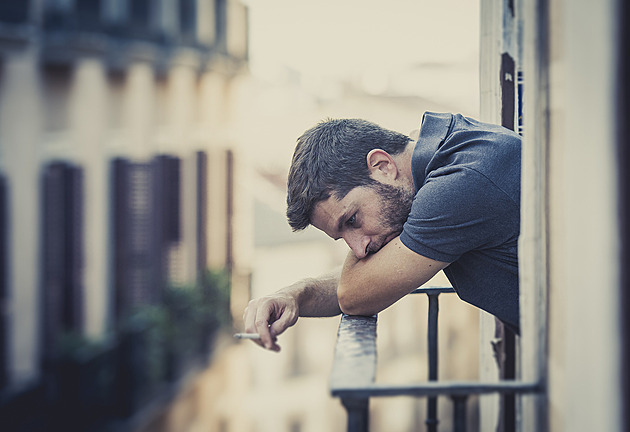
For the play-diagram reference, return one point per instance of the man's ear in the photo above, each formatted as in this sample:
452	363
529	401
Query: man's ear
381	165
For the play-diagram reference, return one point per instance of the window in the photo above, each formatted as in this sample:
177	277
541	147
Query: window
4	211
139	14
14	11
57	85
133	252
202	213
88	13
188	20
62	278
221	23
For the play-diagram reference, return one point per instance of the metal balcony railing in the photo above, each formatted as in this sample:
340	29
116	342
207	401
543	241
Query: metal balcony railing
354	370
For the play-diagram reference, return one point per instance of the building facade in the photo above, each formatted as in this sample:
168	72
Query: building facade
117	170
566	89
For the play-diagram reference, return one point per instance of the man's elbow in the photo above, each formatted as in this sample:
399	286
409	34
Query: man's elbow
352	305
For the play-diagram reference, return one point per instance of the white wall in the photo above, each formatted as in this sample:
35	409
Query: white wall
87	137
588	260
20	122
570	262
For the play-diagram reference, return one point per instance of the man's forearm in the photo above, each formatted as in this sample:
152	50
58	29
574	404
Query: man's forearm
317	297
369	285
349	292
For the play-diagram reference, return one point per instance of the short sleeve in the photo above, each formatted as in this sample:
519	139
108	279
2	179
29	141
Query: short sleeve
458	210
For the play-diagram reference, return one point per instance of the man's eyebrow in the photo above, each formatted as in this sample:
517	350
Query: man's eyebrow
342	219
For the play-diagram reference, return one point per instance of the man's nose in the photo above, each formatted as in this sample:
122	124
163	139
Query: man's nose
358	244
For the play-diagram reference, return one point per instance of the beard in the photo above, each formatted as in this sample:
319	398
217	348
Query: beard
396	206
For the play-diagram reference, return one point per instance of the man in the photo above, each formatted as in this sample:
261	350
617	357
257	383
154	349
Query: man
448	199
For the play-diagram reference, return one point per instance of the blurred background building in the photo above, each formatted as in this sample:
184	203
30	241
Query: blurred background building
118	202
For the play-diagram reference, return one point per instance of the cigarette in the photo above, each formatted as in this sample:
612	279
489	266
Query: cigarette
247	336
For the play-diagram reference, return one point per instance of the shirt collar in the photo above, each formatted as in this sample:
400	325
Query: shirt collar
433	131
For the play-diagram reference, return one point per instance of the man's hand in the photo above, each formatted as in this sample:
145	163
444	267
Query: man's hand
270	316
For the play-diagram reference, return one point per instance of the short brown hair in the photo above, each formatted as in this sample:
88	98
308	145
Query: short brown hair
330	159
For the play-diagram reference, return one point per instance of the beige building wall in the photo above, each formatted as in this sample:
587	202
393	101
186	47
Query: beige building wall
87	134
20	153
492	45
583	221
77	104
570	253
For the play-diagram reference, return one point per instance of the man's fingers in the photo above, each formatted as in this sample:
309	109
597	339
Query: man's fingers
262	328
284	322
269	317
259	314
249	320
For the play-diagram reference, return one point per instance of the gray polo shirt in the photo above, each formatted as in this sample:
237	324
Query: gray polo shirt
467	209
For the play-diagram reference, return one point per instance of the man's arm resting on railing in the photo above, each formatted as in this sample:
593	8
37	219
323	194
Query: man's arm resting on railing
369	285
271	315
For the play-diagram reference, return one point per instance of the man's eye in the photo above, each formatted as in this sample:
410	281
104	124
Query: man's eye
352	220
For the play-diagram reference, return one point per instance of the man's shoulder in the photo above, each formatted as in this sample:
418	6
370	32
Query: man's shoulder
462	123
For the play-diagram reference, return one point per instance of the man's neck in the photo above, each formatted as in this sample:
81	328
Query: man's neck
403	163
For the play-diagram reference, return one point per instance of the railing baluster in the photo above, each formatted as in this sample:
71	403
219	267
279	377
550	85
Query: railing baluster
459	413
358	414
432	338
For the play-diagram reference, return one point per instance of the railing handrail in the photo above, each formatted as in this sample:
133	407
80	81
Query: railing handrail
433	290
437	388
355	353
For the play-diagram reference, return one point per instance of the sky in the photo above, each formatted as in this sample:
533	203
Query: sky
413	47
305	53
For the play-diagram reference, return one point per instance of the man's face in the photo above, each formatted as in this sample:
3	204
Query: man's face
367	218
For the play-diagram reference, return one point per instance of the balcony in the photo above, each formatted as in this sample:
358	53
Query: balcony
139	29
